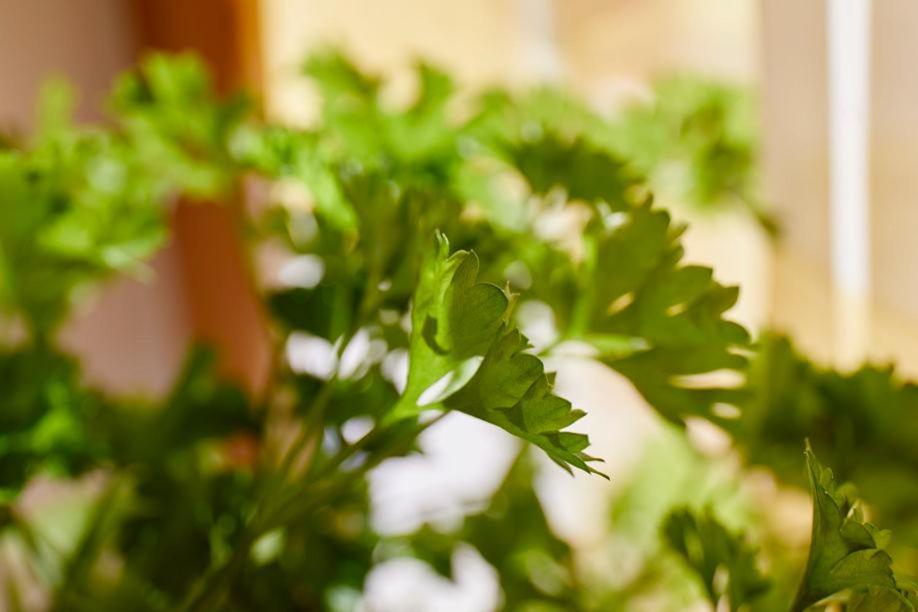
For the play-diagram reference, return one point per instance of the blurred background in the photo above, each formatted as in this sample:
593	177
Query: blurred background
134	335
608	51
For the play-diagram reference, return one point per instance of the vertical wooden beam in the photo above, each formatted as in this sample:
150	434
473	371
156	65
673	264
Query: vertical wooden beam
224	32
224	308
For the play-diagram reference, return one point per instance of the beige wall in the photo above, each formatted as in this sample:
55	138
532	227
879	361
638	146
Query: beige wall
894	184
133	335
795	168
473	38
610	43
795	126
602	45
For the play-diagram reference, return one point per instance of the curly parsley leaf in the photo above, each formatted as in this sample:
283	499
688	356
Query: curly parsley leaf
464	355
677	311
846	552
511	390
454	321
81	203
632	285
624	288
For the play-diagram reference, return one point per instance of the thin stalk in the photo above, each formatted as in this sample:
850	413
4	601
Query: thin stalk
311	428
323	487
213	586
290	509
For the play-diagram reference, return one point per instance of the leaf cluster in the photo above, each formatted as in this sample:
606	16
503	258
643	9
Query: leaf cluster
210	499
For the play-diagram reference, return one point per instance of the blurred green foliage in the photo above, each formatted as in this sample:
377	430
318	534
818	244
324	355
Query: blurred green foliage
210	499
863	423
708	547
697	140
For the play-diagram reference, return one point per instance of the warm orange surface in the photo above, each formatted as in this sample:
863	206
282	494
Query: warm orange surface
223	306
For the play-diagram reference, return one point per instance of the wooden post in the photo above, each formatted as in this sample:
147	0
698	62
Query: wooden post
224	308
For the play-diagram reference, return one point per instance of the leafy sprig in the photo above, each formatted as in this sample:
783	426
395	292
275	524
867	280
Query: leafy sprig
371	183
846	552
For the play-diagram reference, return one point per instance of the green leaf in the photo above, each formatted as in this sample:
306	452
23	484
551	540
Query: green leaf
456	319
710	549
677	310
512	391
170	113
286	153
453	319
81	203
584	172
882	600
633	284
45	419
846	552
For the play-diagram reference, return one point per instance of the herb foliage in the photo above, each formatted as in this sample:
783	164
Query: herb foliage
433	226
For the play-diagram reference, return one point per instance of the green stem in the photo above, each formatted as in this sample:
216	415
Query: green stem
311	428
317	488
290	509
211	589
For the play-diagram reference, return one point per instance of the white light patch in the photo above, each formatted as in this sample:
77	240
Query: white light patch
395	368
848	34
615	220
268	547
305	271
406	322
388	317
302	227
557	223
518	275
848	24
292	194
464	460
362	352
410	585
354	354
357	427
308	354
537	322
